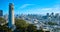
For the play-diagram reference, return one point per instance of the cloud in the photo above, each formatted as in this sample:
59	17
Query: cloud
25	5
22	7
39	10
55	9
46	9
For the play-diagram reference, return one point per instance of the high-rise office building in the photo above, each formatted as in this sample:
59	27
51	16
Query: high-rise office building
47	14
1	13
11	15
52	14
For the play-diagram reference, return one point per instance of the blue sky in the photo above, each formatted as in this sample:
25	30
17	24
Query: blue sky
31	6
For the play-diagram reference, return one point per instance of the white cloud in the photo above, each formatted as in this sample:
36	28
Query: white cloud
46	9
55	9
38	10
25	5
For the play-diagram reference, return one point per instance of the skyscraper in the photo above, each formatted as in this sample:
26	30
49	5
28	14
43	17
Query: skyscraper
47	14
11	16
52	14
1	13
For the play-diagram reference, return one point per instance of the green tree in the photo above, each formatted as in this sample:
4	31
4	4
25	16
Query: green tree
4	28
32	28
2	20
21	25
52	23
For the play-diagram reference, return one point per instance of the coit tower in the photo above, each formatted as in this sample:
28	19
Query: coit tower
11	15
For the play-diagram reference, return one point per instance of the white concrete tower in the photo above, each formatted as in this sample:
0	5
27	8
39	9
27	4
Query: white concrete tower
11	15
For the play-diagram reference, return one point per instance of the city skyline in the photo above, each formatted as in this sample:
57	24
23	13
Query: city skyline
31	6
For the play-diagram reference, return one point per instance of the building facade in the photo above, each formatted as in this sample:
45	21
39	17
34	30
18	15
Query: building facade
1	13
11	15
